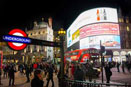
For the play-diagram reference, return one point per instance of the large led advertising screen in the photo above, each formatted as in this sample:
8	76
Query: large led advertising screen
108	33
95	24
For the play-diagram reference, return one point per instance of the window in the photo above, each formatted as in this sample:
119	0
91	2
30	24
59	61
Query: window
120	20
127	20
39	32
127	28
84	52
75	53
43	32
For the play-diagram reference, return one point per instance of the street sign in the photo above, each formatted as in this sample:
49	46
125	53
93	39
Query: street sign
12	39
18	40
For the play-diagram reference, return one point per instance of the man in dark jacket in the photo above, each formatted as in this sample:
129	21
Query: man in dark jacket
27	72
118	65
108	72
11	75
50	75
79	74
37	81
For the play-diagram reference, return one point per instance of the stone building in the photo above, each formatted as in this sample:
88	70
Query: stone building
36	53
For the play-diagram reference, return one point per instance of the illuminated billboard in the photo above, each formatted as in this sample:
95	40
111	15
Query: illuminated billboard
99	29
94	23
109	41
108	33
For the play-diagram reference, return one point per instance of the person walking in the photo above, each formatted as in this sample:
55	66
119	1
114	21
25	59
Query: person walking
27	72
11	75
79	74
123	67
108	72
90	71
37	81
50	75
118	65
5	71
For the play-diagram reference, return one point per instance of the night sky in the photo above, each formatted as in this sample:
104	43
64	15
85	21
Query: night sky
22	13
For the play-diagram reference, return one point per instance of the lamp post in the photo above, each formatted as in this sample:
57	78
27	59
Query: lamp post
61	33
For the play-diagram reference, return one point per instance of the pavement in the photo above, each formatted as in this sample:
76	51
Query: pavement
20	81
117	77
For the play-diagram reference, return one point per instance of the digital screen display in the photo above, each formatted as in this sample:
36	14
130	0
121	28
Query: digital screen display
94	25
107	33
109	41
99	29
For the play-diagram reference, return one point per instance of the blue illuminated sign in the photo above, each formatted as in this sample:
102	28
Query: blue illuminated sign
16	39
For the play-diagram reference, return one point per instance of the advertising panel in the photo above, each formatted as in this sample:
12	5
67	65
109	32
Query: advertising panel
94	25
96	15
108	33
99	29
109	41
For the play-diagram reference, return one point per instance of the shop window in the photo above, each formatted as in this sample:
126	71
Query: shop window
122	20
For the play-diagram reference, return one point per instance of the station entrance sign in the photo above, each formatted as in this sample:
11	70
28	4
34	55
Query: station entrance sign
16	39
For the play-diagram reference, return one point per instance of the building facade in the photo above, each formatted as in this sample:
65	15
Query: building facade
124	28
36	53
125	37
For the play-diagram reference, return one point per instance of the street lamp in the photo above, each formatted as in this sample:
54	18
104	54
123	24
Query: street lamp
61	33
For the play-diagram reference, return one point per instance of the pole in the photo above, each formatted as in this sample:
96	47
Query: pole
101	63
62	57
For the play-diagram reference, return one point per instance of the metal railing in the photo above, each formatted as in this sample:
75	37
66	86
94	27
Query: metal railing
75	83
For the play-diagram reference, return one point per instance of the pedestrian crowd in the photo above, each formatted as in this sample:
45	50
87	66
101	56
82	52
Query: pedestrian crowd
72	71
124	65
40	70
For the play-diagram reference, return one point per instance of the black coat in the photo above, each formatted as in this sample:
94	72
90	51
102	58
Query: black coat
79	75
50	72
36	82
12	73
108	71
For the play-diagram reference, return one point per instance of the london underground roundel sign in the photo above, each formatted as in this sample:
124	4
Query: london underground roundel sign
14	45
